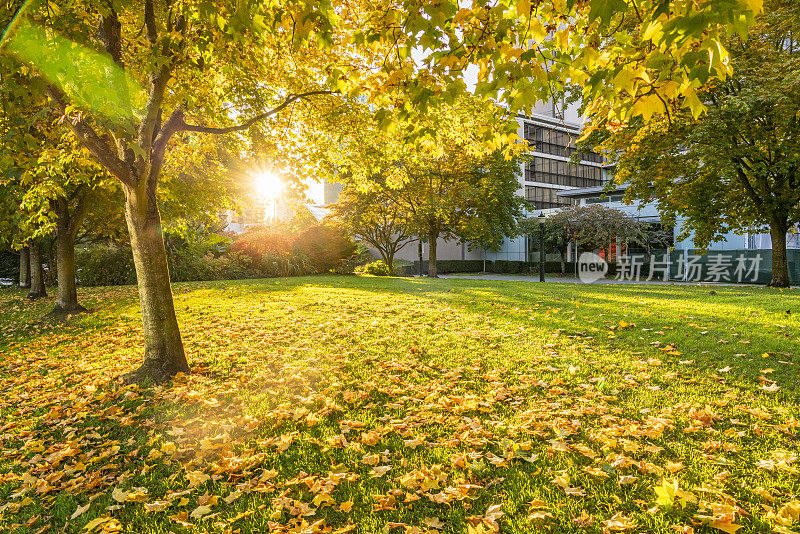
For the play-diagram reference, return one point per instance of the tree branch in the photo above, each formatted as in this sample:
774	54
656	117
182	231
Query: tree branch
97	145
247	124
176	123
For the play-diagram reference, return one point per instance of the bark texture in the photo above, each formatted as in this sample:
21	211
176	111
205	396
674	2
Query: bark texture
780	265
24	267
163	352
37	274
432	271
67	225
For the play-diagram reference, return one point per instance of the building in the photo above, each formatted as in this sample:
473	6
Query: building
552	130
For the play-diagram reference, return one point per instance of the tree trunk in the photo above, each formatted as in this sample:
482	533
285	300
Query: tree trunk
65	264
163	352
432	239
24	267
390	261
780	266
37	275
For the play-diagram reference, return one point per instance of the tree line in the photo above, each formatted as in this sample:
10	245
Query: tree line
139	85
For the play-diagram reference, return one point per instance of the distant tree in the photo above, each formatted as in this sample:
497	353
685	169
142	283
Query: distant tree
736	168
462	197
375	216
592	227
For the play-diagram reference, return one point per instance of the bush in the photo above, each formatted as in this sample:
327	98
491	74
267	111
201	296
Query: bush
359	258
9	265
258	248
377	268
105	265
324	247
455	266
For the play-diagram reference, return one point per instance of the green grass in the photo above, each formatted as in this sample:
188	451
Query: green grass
475	393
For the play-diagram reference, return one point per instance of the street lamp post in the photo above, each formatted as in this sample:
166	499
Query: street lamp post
541	246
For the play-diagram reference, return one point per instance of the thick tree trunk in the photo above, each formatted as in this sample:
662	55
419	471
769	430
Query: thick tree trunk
24	267
163	353
432	239
65	262
390	261
37	275
780	265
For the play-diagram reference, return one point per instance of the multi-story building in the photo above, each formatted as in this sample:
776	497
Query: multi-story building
551	130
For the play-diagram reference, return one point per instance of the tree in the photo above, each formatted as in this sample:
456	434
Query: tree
592	227
216	60
38	289
460	196
374	216
556	235
735	168
128	128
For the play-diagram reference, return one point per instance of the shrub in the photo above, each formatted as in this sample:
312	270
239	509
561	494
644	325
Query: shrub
105	265
324	247
259	247
377	268
359	258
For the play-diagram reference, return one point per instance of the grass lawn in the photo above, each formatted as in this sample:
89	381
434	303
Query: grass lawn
339	404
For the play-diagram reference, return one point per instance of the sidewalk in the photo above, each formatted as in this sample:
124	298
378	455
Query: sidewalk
573	280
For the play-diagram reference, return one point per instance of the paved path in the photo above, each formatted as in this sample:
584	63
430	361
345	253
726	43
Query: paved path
572	280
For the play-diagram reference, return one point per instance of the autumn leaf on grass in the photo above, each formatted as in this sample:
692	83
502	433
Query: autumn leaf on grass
232	496
674	467
772	388
200	511
94	523
412	443
619	522
790	512
380	470
563	481
119	495
182	518
346	506
321	499
433	522
207	500
725	526
668	492
80	510
196	478
493	513
157	506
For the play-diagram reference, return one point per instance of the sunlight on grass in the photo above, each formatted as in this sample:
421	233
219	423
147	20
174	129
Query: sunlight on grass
339	404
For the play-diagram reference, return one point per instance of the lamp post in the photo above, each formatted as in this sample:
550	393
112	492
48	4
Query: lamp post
541	218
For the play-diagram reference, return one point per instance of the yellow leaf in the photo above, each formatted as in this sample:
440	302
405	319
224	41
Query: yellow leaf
94	523
119	495
232	496
725	526
200	511
346	506
80	510
666	493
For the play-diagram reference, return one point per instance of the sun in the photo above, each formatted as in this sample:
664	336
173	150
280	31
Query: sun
268	185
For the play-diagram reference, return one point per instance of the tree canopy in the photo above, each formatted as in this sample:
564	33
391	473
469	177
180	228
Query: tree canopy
131	79
736	167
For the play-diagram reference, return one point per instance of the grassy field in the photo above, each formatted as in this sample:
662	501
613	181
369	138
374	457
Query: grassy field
339	404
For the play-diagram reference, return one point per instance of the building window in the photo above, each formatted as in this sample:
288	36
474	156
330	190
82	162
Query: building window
551	171
556	142
544	197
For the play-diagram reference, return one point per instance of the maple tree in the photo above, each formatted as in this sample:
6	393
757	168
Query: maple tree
734	168
165	70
